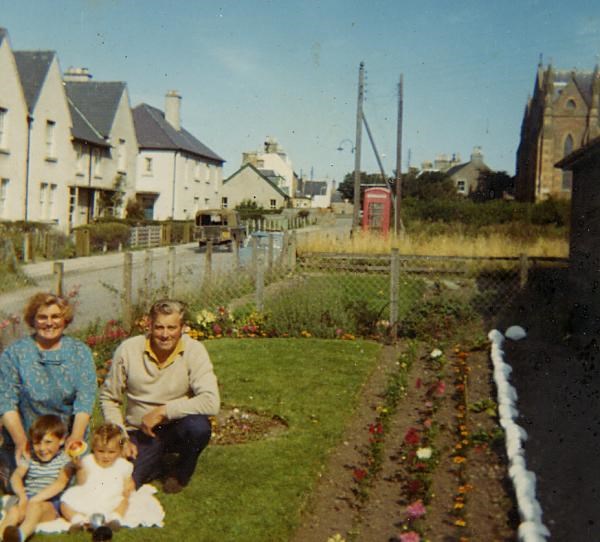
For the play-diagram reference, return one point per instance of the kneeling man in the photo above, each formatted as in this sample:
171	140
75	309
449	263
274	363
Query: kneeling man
170	389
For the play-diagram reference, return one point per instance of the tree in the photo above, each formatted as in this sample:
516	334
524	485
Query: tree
428	185
134	209
346	187
493	185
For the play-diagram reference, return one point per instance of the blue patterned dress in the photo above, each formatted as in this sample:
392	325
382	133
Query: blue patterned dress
36	382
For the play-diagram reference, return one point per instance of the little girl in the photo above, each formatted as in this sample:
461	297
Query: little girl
104	481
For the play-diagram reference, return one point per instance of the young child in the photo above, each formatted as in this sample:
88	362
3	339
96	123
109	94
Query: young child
38	480
104	482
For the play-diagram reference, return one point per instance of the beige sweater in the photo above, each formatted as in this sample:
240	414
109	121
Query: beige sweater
186	386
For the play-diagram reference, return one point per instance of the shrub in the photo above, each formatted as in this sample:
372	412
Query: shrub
109	234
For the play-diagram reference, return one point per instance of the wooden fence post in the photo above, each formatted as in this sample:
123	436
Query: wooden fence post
27	247
254	245
127	308
260	282
58	269
270	252
208	262
187	236
171	272
394	291
236	251
147	273
292	253
523	269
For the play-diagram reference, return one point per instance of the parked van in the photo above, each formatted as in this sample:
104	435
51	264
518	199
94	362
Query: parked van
220	226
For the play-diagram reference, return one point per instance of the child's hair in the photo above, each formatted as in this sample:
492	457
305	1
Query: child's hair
48	423
107	432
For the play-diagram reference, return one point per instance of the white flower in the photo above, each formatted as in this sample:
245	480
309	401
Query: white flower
435	353
424	453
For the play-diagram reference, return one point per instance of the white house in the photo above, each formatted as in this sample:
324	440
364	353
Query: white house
177	174
250	184
275	161
49	152
104	143
13	135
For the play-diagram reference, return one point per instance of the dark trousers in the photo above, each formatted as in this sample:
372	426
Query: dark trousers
186	437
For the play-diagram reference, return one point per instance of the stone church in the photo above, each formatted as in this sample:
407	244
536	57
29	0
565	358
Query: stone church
561	116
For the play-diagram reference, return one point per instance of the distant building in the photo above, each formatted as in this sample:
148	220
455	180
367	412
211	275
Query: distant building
251	184
177	175
275	163
442	163
561	116
466	175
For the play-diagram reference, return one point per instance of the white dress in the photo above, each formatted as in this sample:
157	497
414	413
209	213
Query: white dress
102	493
103	489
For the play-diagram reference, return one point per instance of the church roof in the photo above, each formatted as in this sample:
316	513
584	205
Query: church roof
155	132
583	81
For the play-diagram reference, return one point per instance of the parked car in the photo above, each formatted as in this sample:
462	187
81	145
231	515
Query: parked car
220	226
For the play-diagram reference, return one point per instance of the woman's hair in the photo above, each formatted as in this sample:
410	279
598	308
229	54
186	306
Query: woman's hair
48	423
167	306
44	299
107	432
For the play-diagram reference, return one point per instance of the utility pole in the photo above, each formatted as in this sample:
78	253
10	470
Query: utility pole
357	147
398	226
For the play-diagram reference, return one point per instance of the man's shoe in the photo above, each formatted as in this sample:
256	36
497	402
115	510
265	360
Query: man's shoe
172	485
12	534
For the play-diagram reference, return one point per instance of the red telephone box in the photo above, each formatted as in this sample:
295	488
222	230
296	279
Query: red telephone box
377	209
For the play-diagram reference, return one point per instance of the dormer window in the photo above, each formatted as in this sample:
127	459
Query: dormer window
121	156
571	105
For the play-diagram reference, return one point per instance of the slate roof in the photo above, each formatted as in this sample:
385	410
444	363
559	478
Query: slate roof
97	101
315	188
33	67
583	82
154	132
260	173
82	129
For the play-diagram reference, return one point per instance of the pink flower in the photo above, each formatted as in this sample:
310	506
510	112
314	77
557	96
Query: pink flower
415	510
440	388
217	329
410	536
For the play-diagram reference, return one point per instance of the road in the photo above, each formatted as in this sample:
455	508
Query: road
99	279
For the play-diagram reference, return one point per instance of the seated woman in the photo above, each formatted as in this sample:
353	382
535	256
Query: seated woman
46	372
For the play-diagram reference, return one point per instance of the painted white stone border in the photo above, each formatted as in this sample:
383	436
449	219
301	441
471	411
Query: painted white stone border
531	528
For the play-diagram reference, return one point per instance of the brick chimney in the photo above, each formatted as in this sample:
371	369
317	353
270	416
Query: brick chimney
173	109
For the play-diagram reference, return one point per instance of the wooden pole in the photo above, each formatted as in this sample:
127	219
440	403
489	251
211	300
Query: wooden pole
357	148
59	270
171	272
128	290
394	291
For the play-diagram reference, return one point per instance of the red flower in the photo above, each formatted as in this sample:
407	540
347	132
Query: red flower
412	436
359	474
376	429
418	383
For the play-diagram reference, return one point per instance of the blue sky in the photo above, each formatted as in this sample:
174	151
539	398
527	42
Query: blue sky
289	69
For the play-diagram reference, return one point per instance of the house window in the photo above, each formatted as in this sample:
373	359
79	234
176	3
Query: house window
44	200
52	200
273	204
97	165
148	165
461	186
3	128
50	137
571	105
197	171
224	203
3	196
79	163
567	176
121	156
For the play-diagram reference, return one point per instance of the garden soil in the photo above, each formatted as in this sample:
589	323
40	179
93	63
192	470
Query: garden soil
336	512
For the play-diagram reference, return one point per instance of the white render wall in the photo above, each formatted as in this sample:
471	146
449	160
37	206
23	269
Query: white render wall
281	164
197	183
246	184
50	173
12	153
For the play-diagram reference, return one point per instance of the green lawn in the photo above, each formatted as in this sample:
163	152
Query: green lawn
255	491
